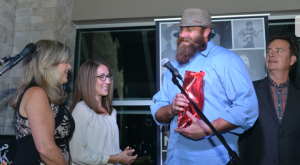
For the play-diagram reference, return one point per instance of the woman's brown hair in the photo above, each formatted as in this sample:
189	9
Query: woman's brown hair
85	87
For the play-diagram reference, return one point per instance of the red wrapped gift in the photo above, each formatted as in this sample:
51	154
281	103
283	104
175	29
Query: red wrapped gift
193	86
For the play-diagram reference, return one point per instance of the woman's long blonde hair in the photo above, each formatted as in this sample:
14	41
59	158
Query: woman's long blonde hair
41	68
85	85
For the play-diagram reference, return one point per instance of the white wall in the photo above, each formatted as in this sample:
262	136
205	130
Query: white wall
119	11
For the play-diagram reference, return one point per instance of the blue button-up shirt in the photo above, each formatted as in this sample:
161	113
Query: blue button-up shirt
229	94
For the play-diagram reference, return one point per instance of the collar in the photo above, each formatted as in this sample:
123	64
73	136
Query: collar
210	44
285	84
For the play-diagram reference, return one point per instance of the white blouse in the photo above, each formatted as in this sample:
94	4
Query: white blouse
95	138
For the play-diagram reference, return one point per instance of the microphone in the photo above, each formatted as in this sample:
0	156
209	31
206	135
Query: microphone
29	49
4	60
166	63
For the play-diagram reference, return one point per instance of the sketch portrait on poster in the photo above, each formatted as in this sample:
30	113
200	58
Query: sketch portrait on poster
249	33
254	61
168	47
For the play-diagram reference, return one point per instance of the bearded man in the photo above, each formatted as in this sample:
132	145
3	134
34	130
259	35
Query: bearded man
230	102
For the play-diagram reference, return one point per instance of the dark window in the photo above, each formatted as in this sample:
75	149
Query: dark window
129	52
286	28
138	130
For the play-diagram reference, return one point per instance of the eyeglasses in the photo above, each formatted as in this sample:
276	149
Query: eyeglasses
103	77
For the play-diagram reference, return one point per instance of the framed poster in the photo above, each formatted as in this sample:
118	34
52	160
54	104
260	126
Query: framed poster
248	33
243	34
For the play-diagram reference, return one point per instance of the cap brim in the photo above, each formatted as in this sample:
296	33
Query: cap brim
189	24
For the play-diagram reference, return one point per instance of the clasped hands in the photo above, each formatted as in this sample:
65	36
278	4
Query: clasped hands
125	157
198	129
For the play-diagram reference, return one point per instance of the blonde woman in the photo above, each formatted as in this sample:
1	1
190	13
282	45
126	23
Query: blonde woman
43	125
96	137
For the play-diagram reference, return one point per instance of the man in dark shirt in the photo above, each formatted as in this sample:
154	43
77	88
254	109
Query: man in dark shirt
274	139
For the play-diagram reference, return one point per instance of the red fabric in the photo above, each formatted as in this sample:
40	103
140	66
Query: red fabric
193	85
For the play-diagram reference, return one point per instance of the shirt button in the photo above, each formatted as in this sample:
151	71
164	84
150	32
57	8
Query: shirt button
274	161
278	92
279	137
279	105
175	149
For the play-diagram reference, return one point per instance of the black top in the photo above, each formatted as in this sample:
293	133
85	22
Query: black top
26	151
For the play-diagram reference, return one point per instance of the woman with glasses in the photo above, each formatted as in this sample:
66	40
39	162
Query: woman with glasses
96	136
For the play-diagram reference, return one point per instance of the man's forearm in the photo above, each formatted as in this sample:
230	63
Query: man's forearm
222	125
164	114
198	129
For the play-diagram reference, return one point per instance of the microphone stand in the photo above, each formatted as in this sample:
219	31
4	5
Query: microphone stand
29	49
4	60
232	153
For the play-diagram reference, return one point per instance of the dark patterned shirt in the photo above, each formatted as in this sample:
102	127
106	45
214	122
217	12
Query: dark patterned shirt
26	152
279	95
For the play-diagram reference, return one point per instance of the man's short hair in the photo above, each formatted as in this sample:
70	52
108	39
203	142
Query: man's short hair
294	49
248	23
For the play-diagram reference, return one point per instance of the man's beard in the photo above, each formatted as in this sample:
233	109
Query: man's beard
185	52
